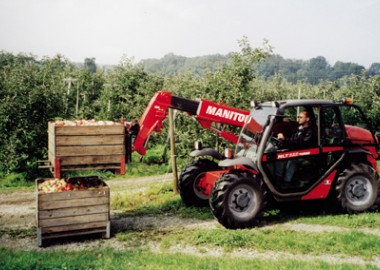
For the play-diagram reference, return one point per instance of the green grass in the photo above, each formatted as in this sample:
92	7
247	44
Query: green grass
14	181
159	200
366	220
17	232
156	199
261	239
110	259
139	169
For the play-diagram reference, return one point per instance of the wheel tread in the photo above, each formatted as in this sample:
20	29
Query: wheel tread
187	178
353	170
218	199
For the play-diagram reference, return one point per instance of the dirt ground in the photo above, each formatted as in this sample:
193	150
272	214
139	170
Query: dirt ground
18	210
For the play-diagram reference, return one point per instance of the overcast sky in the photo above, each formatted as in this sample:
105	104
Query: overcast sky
340	30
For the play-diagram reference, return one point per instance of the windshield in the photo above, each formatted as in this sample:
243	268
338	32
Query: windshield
250	135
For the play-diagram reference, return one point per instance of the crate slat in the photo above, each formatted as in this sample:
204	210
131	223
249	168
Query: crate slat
72	233
90	140
73	220
72	211
87	130
90	160
75	194
47	205
74	227
91	167
95	150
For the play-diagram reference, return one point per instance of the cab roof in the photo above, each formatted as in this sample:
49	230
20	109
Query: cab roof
301	102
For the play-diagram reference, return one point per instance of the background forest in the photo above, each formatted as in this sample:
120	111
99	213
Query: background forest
33	92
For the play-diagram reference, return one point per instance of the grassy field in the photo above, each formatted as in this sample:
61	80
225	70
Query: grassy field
192	239
112	259
153	229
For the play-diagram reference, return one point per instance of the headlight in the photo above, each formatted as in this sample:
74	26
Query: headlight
228	153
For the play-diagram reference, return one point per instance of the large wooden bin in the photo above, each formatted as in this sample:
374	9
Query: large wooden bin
71	213
86	148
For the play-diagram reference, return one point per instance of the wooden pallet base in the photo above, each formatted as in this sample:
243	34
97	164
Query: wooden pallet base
66	231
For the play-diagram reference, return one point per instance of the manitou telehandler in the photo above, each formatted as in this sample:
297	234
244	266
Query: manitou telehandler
341	165
209	115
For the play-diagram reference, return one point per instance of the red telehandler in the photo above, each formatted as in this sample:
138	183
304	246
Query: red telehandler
207	113
340	166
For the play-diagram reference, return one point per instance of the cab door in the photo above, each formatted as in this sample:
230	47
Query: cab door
294	169
312	164
332	138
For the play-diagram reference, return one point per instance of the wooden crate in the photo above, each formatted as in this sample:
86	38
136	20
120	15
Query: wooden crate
86	148
71	213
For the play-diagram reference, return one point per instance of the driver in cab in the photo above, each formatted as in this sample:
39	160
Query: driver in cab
304	137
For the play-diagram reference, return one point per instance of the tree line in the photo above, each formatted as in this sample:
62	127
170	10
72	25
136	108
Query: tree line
312	71
33	92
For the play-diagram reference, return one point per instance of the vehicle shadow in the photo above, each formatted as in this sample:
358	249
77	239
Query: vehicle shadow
202	217
278	213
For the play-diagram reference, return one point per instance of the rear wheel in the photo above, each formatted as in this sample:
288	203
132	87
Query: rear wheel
358	188
238	199
189	180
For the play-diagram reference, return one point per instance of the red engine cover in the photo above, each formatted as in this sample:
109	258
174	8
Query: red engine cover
359	135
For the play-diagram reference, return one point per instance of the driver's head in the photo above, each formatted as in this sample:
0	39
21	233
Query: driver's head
303	118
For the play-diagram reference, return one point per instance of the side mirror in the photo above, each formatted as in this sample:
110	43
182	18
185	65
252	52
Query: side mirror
228	153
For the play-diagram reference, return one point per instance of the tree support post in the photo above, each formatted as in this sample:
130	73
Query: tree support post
172	150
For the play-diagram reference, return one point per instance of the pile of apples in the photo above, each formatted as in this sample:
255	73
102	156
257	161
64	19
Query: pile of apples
61	185
83	122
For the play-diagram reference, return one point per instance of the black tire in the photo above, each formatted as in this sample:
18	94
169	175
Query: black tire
238	199
189	179
357	189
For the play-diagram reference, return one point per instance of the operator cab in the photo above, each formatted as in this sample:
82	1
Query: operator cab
296	165
298	169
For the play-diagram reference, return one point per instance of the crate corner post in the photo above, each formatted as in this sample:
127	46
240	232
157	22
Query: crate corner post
122	164
39	236
57	168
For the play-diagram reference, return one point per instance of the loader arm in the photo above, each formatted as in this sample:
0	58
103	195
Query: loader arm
204	111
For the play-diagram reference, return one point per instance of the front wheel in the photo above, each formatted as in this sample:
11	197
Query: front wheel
238	199
358	188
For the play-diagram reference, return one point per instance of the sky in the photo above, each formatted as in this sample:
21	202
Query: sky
110	30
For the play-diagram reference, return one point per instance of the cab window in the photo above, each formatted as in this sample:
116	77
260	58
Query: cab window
332	131
352	116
